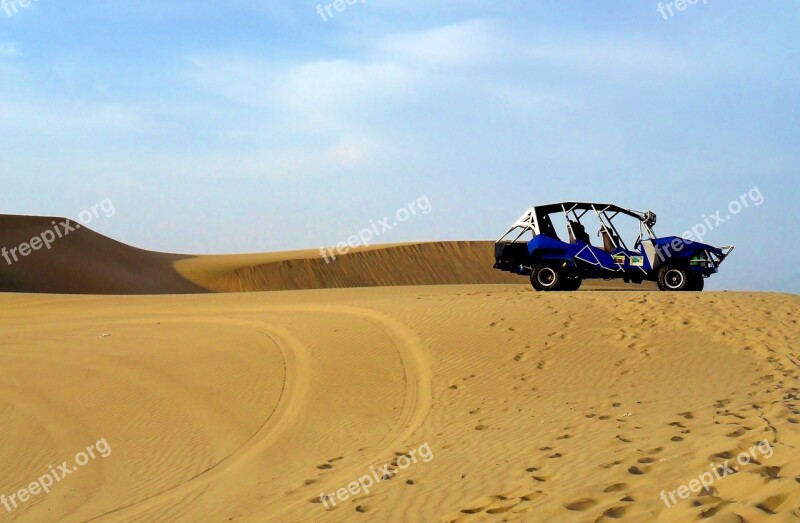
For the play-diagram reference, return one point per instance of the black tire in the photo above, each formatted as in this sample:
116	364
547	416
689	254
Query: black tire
696	284
673	278
572	283
545	278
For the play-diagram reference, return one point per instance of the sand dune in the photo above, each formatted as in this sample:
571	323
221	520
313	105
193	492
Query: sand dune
429	263
82	262
535	407
85	262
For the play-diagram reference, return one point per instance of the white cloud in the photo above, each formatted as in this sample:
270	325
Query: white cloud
301	161
325	117
8	50
69	118
315	104
606	56
466	44
309	87
339	83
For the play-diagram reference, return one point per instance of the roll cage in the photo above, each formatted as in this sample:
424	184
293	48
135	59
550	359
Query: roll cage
537	221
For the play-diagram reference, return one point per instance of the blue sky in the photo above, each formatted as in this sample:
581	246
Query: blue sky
256	126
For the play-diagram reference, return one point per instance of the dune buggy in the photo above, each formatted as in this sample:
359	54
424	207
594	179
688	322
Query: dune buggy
532	247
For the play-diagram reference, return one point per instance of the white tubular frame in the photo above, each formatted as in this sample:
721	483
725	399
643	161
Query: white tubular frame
527	222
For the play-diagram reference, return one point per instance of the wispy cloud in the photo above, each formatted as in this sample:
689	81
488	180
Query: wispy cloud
311	87
608	55
465	44
8	50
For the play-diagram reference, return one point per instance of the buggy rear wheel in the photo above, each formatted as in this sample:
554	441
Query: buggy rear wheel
545	278
673	278
696	283
572	283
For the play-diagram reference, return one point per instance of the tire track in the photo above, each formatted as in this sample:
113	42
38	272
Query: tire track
293	394
416	405
418	378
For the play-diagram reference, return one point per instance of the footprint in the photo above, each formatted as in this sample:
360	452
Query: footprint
636	471
616	487
615	512
735	416
770	504
712	511
736	433
722	455
482	504
770	472
581	504
531	496
501	510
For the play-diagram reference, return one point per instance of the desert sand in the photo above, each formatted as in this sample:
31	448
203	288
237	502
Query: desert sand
487	401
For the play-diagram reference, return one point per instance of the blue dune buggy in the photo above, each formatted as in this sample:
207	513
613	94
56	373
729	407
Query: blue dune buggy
532	247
